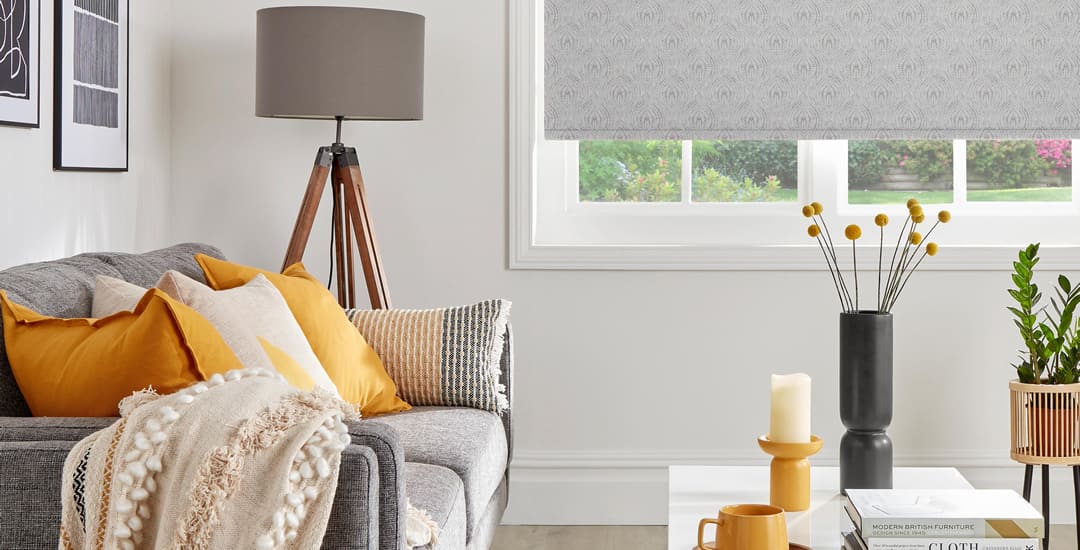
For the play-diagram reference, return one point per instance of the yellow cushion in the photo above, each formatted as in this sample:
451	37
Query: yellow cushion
84	367
287	366
351	363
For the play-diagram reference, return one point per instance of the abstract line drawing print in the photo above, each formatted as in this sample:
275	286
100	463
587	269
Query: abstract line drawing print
96	66
14	49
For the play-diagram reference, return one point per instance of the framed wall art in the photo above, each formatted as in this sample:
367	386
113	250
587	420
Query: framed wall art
90	111
20	61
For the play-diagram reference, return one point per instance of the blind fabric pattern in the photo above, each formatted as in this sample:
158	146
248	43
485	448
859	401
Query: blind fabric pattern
811	69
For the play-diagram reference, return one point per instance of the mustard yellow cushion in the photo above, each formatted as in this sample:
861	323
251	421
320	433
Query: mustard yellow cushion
351	363
287	366
84	367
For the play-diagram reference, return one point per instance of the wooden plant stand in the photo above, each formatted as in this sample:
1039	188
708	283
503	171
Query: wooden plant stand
1045	431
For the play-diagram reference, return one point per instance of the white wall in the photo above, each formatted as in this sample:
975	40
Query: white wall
48	214
618	373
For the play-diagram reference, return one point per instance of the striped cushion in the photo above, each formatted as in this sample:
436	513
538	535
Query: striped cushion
446	356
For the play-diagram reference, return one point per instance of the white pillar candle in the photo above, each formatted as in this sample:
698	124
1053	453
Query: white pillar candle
789	419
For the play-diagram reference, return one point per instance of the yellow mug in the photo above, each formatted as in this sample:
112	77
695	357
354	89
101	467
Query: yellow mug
746	527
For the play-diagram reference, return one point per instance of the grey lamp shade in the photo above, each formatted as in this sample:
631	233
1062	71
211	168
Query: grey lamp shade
326	62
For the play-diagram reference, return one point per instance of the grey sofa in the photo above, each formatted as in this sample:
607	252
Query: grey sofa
451	462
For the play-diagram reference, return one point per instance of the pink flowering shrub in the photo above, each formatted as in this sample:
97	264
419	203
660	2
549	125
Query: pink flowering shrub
1056	152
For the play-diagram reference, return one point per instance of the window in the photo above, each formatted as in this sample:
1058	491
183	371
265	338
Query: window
715	171
1019	171
699	204
959	172
891	172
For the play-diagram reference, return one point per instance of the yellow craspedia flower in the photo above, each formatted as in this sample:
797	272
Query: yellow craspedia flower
915	211
931	249
853	232
912	202
944	216
881	220
818	209
808	211
813	230
919	219
916	238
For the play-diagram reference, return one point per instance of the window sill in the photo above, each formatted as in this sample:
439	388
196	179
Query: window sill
528	256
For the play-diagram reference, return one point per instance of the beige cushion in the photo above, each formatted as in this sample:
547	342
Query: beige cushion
242	315
257	307
113	295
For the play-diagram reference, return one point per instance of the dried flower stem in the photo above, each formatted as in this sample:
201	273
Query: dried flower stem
832	252
881	249
905	260
855	271
896	296
924	240
839	294
892	263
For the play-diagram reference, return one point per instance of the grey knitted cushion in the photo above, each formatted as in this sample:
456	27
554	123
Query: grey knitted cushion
65	288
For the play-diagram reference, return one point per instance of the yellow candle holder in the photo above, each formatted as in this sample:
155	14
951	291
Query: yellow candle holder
789	473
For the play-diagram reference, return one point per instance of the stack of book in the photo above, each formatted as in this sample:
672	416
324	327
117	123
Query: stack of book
941	520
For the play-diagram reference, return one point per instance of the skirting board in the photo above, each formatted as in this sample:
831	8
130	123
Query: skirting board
630	488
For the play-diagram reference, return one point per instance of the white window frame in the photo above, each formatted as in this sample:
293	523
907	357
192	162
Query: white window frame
551	229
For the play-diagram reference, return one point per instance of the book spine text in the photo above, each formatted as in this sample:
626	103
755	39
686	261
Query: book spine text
951	528
953	544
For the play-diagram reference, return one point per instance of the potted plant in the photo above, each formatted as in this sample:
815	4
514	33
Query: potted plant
1045	394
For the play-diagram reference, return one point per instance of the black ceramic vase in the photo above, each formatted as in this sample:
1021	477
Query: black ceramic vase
866	400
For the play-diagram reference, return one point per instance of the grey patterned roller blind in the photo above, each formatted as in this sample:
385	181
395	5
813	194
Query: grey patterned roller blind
811	69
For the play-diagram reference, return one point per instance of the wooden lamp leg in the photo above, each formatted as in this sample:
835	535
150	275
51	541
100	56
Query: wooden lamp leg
347	171
350	221
308	207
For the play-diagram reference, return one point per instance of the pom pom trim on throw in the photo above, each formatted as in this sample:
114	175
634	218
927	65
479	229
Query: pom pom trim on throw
140	465
309	466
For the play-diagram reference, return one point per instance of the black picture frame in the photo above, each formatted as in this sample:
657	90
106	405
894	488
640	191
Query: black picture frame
17	65
91	85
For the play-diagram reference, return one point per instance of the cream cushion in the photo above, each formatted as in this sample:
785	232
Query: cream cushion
242	315
113	295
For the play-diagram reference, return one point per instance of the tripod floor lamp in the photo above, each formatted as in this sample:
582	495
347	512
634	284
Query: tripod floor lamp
340	63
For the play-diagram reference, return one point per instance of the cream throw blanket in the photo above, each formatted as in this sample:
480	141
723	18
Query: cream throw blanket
240	461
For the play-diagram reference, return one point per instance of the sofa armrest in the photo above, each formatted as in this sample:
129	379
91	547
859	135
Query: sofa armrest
386	444
50	428
31	503
354	516
30	493
506	363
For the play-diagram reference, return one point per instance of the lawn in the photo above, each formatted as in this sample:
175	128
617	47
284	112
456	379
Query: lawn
1040	194
899	197
787	195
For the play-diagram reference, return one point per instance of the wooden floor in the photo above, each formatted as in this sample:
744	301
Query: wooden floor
531	537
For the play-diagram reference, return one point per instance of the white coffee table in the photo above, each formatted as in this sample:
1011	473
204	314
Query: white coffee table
696	492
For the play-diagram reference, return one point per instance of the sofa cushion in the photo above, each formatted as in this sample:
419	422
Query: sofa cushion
145	269
65	288
468	441
84	367
439	492
443	356
351	364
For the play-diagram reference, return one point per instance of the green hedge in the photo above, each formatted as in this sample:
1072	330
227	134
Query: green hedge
758	161
1005	164
645	171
